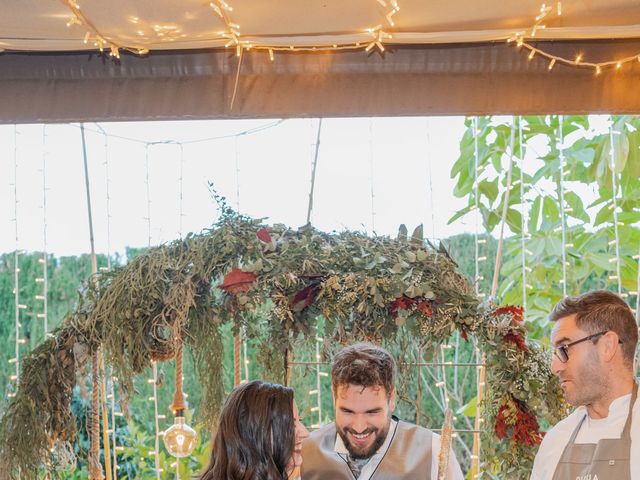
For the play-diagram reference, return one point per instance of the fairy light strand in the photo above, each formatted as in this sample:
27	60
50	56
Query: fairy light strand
476	182
614	184
371	178
45	272
430	176
524	220
181	190
475	457
372	37
93	35
563	218
112	393
319	374
154	367
16	269
522	40
377	35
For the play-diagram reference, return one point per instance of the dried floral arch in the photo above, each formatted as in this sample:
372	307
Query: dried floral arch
370	287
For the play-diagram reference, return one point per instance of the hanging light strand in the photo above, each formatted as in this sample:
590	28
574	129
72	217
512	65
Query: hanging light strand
111	396
524	219
154	366
372	37
476	182
430	175
616	236
371	178
563	216
45	273
93	35
475	455
522	39
317	392
16	269
181	191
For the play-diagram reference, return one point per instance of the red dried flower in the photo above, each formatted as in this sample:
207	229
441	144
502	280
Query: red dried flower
238	281
514	311
420	304
400	303
464	334
425	308
514	414
515	337
305	297
526	430
500	428
263	235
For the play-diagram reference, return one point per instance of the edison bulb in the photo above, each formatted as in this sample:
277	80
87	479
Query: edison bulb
180	439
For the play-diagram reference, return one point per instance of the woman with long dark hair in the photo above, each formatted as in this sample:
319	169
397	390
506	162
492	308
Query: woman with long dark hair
259	436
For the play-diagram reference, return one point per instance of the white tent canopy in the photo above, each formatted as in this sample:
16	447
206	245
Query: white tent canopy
439	57
36	25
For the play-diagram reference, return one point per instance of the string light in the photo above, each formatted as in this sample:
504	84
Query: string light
614	184
563	225
154	366
318	389
43	260
232	32
79	18
524	220
16	267
112	394
475	462
520	39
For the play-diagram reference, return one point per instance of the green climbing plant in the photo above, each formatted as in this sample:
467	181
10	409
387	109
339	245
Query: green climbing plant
592	154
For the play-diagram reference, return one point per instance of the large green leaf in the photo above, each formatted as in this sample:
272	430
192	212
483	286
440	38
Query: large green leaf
600	260
553	246
550	210
577	208
461	213
605	214
534	215
489	189
514	220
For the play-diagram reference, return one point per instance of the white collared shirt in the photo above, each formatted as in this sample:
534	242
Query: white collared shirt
591	431
367	471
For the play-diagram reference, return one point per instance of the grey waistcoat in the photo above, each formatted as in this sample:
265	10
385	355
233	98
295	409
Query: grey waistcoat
408	456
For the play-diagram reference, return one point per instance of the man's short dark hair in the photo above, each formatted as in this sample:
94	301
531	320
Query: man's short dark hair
364	364
602	310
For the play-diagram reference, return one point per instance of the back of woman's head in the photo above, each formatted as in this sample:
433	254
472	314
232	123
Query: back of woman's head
255	436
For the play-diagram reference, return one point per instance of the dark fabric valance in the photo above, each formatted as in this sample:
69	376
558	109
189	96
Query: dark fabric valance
455	79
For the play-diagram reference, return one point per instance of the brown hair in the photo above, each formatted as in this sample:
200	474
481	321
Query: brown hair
255	437
364	364
602	310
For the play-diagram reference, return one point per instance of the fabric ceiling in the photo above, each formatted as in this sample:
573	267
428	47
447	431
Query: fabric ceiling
444	58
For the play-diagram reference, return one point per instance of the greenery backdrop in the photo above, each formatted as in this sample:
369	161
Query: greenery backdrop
590	231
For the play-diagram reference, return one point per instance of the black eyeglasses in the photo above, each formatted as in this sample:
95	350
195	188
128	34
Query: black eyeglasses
562	352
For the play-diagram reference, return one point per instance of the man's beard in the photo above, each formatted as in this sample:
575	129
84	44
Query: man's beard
360	454
592	384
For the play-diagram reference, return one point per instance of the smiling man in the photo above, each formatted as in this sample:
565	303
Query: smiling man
366	441
594	339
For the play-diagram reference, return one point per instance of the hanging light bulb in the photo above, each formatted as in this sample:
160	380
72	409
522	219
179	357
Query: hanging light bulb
180	438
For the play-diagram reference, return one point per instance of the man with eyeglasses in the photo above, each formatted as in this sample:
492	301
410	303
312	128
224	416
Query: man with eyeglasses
594	340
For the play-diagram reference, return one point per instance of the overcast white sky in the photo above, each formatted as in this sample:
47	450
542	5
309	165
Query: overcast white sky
405	162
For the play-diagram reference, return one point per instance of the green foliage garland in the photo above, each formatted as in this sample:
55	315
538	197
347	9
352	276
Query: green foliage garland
365	288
